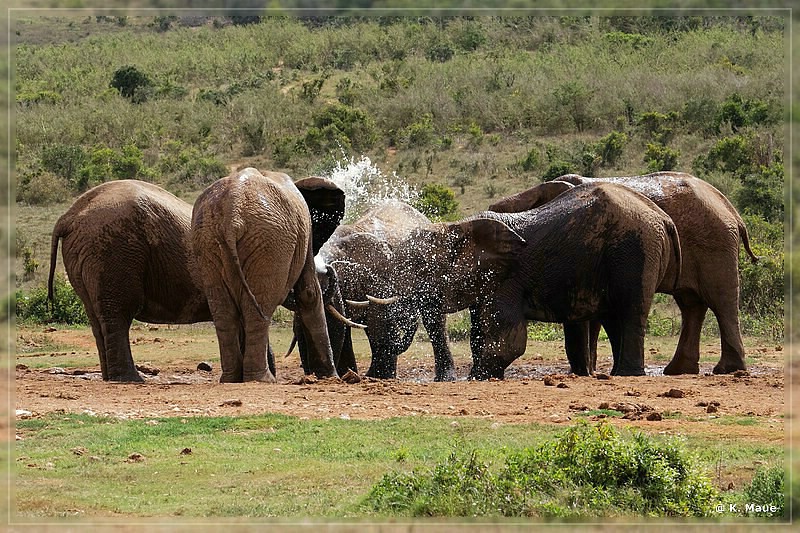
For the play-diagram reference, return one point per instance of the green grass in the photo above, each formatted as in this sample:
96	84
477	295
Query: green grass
270	465
263	466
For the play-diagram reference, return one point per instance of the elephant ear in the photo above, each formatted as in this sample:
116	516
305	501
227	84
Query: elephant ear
495	244
531	198
326	205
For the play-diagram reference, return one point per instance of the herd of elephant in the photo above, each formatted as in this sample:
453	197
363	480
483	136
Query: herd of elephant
583	252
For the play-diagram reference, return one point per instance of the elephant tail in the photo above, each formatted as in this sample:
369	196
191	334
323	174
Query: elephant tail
230	247
672	232
746	240
58	233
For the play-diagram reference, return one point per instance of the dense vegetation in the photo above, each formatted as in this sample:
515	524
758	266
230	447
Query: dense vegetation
463	108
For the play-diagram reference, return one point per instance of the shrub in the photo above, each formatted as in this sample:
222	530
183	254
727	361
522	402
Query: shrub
338	125
556	169
419	133
762	192
610	147
43	188
439	50
575	99
437	202
588	470
739	112
64	161
659	157
67	307
531	161
768	487
104	164
659	127
131	82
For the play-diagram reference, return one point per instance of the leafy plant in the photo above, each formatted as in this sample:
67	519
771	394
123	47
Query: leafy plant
131	82
588	470
659	157
66	308
437	202
767	488
556	169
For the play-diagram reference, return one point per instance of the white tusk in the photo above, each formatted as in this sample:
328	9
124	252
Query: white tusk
357	305
382	301
332	310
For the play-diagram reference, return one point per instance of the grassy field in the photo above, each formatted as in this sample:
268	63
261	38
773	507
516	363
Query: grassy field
482	106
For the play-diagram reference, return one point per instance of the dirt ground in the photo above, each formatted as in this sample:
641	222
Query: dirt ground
537	388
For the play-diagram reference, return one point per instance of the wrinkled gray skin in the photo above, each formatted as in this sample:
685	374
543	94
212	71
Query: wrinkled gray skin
362	255
252	240
709	229
125	251
594	252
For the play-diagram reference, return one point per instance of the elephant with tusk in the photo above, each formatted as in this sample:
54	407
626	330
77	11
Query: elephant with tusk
361	253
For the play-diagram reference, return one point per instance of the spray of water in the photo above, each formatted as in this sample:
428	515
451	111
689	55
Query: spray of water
365	186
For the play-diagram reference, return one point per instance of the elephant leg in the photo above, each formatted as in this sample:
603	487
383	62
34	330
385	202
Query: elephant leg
256	347
500	350
476	344
687	353
302	349
594	334
732	356
97	331
229	335
576	344
119	361
312	319
271	361
384	358
627	345
435	323
347	357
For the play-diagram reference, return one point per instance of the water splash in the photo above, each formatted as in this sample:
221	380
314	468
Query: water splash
365	186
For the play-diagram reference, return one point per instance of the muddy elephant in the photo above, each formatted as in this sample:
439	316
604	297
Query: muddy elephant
709	228
253	243
361	253
597	251
125	251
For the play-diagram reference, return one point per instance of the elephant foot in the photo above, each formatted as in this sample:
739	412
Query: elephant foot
264	376
449	375
681	366
728	367
483	372
628	371
128	377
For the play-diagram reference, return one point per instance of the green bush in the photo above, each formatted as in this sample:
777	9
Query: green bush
588	470
659	127
762	192
419	133
43	188
437	202
730	154
105	164
531	161
65	161
740	112
610	147
659	157
556	169
67	308
131	83
768	487
340	126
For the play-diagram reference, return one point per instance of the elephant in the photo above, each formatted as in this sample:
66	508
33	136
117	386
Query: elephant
709	228
125	251
361	252
596	251
253	242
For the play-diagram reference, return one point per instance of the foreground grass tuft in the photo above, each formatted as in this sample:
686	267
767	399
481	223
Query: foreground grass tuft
588	470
